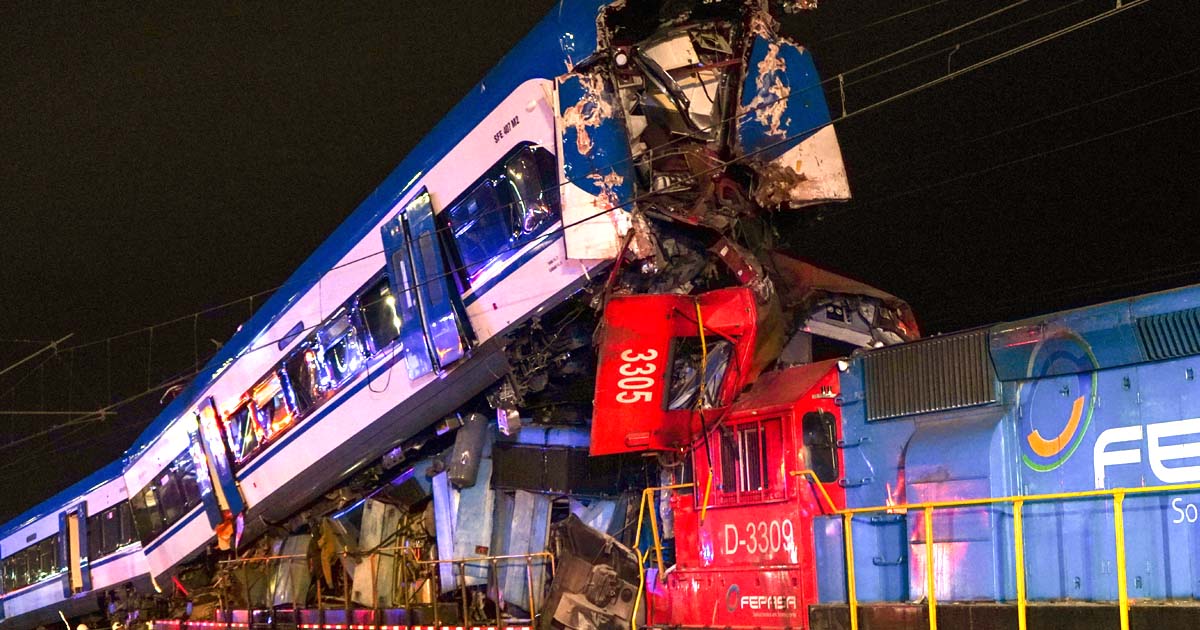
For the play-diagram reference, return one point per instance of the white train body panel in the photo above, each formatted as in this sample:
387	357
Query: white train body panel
123	565
539	271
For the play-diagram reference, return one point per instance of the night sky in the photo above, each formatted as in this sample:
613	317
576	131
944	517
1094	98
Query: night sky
159	164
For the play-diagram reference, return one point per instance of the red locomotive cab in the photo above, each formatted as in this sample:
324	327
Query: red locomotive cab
744	540
668	362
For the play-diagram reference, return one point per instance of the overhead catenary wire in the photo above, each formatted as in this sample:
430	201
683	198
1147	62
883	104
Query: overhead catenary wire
790	138
1032	156
838	77
881	21
649	152
1033	121
693	177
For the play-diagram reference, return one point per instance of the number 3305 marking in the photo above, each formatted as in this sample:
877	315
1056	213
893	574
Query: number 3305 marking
637	381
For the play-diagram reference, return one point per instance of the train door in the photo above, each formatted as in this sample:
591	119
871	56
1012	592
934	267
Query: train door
422	279
224	499
72	541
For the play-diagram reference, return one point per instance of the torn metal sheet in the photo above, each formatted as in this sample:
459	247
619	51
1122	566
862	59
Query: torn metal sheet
594	166
595	582
373	578
528	530
784	127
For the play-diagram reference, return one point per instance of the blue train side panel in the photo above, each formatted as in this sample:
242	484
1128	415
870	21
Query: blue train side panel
1095	398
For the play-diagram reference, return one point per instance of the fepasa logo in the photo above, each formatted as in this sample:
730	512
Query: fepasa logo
735	601
1057	411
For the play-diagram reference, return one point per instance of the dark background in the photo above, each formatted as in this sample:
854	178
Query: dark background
159	163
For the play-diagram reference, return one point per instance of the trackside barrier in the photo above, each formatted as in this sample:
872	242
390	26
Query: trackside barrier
491	563
1017	502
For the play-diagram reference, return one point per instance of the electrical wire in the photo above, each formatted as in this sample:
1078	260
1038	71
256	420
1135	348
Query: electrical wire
880	21
657	148
692	178
1028	123
1032	156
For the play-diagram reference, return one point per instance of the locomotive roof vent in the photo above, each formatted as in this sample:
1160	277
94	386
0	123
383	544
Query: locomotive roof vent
1170	335
934	374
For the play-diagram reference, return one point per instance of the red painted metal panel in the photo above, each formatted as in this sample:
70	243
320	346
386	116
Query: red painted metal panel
747	559
640	334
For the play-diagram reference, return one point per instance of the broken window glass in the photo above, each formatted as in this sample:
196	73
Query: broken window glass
478	225
687	356
533	205
304	378
343	352
243	433
270	405
514	203
377	307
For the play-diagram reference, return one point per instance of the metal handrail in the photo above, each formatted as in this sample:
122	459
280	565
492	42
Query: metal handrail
648	501
491	562
1018	502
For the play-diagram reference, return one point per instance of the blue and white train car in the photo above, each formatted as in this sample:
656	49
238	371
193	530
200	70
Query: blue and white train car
395	321
62	553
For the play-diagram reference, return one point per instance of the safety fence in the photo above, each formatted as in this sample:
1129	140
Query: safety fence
417	580
1017	503
928	509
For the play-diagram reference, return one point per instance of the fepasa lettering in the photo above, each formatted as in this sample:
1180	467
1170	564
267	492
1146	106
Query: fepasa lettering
1164	442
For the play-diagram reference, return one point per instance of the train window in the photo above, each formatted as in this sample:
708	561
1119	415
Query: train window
110	522
342	352
146	516
479	228
377	307
820	444
170	497
512	204
11	580
47	554
243	433
95	531
686	357
270	405
745	455
303	374
534	200
128	532
173	492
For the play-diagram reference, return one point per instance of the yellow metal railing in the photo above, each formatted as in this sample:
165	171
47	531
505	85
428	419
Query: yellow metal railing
1018	502
647	506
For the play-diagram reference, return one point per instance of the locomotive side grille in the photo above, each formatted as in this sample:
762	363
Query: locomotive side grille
1170	335
932	375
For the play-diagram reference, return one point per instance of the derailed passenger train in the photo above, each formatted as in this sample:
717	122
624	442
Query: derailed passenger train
614	150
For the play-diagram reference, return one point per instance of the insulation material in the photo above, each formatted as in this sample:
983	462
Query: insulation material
698	86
